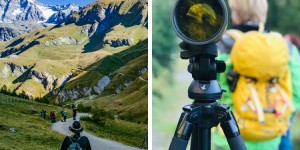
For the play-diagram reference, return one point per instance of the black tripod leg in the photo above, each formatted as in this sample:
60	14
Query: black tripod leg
182	134
201	139
232	133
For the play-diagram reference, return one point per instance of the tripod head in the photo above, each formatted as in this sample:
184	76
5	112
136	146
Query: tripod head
204	69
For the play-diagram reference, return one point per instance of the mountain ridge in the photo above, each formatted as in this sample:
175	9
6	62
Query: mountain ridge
23	16
32	10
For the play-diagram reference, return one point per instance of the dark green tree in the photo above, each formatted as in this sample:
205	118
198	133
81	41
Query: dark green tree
4	89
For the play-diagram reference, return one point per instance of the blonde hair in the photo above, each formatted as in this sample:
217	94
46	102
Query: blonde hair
250	10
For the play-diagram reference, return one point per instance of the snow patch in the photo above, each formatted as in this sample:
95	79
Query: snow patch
47	12
17	11
32	1
42	21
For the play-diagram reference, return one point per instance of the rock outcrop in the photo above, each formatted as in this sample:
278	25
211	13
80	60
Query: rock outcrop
48	81
78	92
102	83
62	41
9	31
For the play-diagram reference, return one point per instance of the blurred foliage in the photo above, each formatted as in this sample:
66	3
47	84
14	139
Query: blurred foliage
283	16
164	45
164	38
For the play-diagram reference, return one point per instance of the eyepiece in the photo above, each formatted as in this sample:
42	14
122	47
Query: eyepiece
200	22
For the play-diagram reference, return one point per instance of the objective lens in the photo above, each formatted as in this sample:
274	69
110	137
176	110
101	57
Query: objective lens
199	20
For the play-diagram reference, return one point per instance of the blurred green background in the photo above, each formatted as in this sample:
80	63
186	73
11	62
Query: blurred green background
171	79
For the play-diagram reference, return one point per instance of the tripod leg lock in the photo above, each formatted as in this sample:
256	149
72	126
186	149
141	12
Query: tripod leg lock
230	127
184	129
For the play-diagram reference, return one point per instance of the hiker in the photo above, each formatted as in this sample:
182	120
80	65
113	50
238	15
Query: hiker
261	78
65	114
76	141
73	106
62	114
53	116
74	113
43	113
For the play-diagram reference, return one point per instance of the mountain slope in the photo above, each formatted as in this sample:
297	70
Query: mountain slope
130	99
70	61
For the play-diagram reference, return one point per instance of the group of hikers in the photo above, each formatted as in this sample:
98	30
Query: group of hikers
75	141
63	112
262	78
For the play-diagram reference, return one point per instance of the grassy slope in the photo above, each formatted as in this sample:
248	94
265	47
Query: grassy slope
64	59
118	130
116	59
33	132
55	60
132	103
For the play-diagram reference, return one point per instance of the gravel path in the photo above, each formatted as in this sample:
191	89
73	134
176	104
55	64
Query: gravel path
96	142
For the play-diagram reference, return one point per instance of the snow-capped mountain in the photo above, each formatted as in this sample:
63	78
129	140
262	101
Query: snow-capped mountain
23	16
62	12
32	10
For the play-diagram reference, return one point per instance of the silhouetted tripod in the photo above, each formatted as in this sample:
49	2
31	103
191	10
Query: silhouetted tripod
198	118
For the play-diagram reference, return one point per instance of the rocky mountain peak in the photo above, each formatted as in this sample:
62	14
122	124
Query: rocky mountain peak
112	12
30	12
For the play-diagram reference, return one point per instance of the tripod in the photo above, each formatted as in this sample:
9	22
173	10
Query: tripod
198	118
